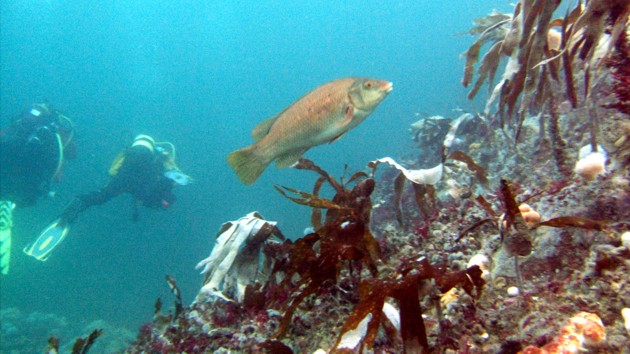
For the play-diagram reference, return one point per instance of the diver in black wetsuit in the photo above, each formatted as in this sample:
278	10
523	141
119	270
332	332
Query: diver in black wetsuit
140	171
33	149
145	170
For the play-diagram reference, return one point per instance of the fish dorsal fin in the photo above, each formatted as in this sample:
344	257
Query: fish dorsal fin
289	158
262	129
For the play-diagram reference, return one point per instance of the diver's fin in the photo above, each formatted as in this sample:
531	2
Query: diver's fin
47	240
6	224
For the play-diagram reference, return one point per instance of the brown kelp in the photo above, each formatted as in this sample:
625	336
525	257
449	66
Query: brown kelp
543	54
343	238
405	287
81	345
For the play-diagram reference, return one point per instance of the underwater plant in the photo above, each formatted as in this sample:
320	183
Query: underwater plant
541	59
406	286
81	345
619	64
343	238
515	231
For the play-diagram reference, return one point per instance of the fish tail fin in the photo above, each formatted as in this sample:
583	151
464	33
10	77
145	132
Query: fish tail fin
247	165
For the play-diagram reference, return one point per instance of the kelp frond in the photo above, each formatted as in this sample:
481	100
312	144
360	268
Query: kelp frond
343	239
587	35
361	327
307	198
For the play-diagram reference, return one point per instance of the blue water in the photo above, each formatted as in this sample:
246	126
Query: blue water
201	74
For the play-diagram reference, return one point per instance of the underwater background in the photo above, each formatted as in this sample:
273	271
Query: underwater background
201	75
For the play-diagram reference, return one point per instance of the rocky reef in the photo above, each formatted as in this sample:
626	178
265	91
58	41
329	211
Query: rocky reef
22	332
519	244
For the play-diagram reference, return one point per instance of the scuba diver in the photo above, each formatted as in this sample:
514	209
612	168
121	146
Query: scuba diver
145	170
33	149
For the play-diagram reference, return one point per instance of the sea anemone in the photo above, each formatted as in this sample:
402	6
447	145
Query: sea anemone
591	163
531	216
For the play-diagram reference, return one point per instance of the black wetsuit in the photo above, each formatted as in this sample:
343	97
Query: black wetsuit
141	175
30	155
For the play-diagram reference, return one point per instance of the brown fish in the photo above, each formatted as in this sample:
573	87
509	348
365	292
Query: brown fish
322	115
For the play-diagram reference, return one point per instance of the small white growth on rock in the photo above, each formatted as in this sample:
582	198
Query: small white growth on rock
513	291
483	262
625	239
625	313
353	337
591	164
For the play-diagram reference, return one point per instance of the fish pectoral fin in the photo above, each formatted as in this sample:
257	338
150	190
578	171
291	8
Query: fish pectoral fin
348	116
288	159
262	129
337	137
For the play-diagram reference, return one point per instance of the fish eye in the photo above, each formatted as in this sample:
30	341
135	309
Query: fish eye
368	84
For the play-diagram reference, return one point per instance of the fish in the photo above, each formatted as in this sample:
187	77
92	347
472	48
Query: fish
323	115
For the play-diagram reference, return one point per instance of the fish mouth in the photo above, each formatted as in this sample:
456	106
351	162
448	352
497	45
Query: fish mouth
389	86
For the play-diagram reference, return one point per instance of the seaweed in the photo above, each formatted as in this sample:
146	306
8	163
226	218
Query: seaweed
472	227
173	332
422	180
172	285
426	200
619	62
486	205
343	239
83	345
276	347
575	221
53	345
531	71
491	29
399	186
404	287
518	242
480	172
162	321
558	145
